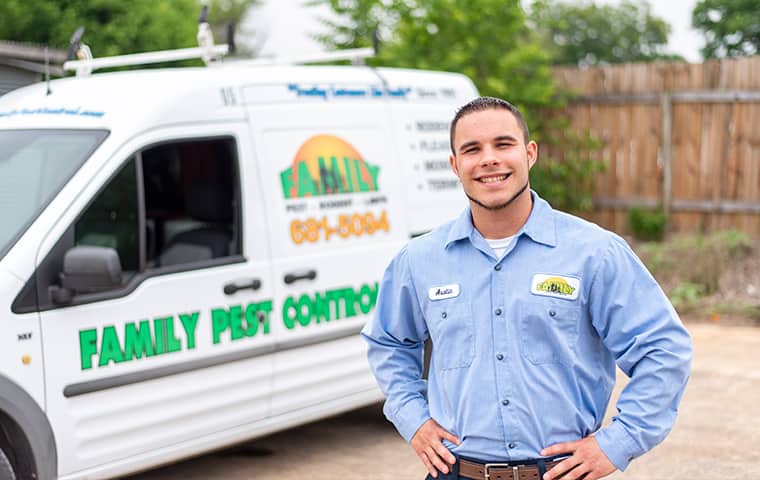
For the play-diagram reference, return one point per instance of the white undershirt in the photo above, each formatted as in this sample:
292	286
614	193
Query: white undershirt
500	245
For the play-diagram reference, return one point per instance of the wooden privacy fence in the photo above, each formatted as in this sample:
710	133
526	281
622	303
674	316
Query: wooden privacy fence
682	136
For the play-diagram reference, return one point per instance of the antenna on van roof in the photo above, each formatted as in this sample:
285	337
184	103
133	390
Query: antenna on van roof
206	50
74	43
47	71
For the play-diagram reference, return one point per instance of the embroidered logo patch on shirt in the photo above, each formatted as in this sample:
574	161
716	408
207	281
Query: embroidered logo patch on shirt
444	291
559	286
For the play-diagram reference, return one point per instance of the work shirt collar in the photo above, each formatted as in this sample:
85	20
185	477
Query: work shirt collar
540	226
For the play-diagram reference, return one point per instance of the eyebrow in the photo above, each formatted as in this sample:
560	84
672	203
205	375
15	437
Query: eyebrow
500	138
466	145
508	138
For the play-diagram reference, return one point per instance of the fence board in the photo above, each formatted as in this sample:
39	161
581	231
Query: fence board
715	140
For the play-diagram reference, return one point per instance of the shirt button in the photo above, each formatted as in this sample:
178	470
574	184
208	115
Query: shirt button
512	445
497	267
499	357
505	402
443	315
498	311
552	313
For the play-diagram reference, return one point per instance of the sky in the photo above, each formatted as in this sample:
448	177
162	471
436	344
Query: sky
286	24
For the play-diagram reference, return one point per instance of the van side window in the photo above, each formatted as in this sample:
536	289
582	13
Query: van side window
112	220
190	202
171	207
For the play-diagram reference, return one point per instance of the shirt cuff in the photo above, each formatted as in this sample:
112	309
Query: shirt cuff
617	445
410	417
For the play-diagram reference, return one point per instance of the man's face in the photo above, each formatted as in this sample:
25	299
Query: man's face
491	158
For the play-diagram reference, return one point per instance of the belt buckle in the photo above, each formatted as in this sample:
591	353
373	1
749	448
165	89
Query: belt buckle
487	466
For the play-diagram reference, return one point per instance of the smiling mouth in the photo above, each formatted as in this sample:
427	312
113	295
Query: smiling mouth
494	178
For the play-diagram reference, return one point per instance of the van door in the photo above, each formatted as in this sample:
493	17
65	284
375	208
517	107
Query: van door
146	370
421	129
332	187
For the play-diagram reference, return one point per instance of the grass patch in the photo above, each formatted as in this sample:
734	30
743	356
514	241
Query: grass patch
686	295
695	259
689	268
739	309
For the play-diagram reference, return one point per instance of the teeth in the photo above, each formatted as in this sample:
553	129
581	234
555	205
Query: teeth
493	179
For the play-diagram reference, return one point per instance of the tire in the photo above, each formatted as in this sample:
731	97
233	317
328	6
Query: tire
6	469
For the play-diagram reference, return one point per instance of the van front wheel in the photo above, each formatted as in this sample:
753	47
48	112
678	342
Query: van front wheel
6	469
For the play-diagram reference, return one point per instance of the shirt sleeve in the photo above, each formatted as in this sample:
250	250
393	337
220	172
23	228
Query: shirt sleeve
638	324
395	337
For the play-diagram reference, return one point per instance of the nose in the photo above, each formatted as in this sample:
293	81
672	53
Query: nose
489	156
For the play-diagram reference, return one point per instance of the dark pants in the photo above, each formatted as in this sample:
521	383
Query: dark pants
452	475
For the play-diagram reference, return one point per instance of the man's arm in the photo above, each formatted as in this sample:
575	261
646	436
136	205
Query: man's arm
395	337
638	324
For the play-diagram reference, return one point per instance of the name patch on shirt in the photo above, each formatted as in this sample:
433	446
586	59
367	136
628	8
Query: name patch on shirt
444	291
559	286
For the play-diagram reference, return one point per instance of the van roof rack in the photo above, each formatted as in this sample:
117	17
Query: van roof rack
355	55
88	64
206	51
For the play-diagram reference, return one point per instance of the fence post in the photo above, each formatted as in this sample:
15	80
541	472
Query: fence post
666	100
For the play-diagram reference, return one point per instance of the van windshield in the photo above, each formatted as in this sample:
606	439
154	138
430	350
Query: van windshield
34	166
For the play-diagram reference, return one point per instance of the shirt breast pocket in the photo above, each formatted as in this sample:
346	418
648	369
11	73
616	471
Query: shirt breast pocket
452	332
549	332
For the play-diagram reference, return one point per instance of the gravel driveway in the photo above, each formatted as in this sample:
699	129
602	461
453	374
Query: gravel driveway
717	434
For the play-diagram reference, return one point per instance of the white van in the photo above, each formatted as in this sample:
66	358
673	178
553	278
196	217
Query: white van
187	255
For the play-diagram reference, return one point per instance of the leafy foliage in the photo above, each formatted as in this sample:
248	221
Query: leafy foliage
587	34
647	225
114	27
567	182
359	21
499	54
684	294
449	35
731	27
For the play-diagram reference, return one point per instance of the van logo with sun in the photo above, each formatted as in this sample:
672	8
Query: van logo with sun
328	165
559	286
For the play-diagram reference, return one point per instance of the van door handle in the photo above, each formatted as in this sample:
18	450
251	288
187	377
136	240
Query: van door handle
294	277
233	287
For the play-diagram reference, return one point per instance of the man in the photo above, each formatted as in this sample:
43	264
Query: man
528	309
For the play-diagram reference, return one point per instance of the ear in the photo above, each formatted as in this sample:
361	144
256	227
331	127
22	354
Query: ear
453	163
532	150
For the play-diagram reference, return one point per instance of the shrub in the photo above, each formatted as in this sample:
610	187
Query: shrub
647	225
688	260
686	294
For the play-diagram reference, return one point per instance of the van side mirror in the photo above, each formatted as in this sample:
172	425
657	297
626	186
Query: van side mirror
87	269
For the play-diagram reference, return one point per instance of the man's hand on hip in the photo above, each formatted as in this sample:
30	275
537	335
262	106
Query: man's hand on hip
587	461
427	442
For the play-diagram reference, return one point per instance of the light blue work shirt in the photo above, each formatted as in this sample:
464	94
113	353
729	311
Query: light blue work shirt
525	346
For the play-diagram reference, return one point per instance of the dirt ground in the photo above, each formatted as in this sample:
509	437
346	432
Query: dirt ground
716	435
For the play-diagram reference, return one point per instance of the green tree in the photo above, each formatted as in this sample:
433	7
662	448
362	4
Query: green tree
450	35
731	27
497	52
112	27
356	24
116	27
588	34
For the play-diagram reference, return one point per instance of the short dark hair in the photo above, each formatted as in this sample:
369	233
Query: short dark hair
487	103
